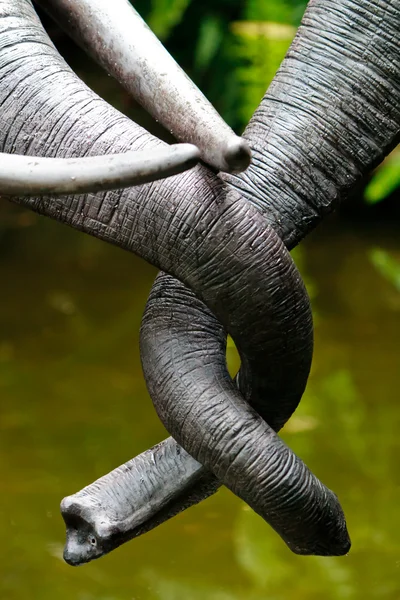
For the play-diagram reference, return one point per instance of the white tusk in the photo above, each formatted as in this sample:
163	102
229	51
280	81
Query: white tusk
120	41
33	176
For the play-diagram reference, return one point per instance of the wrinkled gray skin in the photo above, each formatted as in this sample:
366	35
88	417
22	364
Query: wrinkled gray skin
329	116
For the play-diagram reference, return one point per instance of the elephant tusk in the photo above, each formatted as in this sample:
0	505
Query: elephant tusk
116	36
33	176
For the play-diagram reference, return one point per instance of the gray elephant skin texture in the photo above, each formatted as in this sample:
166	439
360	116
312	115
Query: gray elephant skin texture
330	115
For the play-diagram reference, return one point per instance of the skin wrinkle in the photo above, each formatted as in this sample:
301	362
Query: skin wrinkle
295	185
12	94
284	473
102	129
325	130
68	136
296	164
11	64
54	128
236	453
108	211
58	121
24	99
176	224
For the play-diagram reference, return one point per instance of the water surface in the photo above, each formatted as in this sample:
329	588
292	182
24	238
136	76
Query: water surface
73	405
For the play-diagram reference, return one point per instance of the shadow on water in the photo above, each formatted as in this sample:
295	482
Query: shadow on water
74	405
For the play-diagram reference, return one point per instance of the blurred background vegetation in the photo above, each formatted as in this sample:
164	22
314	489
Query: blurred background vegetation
73	403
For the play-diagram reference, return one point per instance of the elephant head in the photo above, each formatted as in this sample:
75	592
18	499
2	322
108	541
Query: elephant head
329	116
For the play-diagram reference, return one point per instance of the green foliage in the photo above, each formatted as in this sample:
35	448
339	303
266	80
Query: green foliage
386	265
385	179
230	49
209	41
300	258
285	11
165	15
259	47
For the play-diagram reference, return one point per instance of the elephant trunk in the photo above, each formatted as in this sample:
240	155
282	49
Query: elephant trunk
131	500
331	114
213	422
192	226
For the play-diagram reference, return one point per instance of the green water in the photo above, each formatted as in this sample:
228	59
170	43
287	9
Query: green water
73	405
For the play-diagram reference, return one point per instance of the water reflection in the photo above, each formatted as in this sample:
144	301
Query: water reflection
74	405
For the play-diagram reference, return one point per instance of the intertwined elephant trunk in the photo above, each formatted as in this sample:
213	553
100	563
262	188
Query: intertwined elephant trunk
331	113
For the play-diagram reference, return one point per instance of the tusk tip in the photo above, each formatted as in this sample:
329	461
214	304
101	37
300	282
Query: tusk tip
237	155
